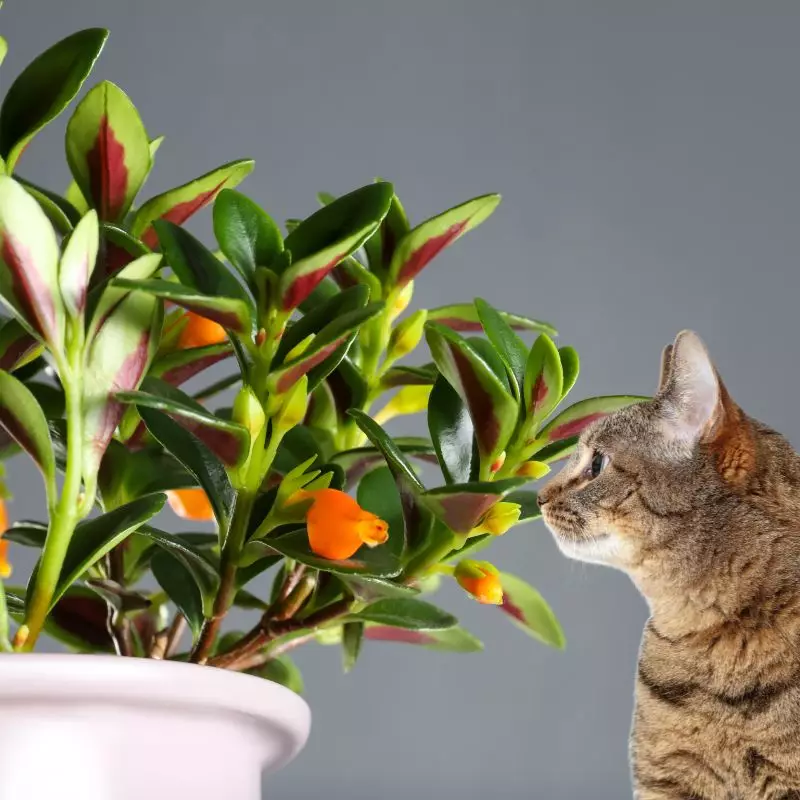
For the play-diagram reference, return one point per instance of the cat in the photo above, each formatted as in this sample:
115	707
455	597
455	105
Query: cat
700	505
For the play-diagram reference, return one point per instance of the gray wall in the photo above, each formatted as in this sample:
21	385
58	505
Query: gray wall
648	157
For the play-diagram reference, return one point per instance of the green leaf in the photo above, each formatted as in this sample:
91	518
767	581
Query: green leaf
108	150
182	548
410	376
557	450
24	420
45	88
461	506
416	249
231	313
492	409
526	499
528	610
181	365
378	493
29	264
452	433
464	317
281	670
177	581
198	267
77	264
327	342
320	242
17	346
408	613
352	637
579	416
454	640
349	386
381	246
117	249
362	460
177	205
117	360
378	561
197	458
369	589
570	367
228	441
96	537
62	215
508	345
544	379
27	534
246	234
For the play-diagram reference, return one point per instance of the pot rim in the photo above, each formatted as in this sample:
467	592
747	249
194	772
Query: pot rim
82	679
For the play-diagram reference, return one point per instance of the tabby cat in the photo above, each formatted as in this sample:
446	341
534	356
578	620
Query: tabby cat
700	505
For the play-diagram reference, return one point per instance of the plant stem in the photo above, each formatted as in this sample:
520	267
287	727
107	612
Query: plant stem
5	645
65	516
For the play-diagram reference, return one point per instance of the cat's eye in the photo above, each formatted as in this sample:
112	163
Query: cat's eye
599	463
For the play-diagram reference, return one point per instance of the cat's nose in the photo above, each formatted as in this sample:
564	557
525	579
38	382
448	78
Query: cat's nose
543	498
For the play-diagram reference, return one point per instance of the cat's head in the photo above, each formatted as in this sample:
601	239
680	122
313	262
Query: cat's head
667	487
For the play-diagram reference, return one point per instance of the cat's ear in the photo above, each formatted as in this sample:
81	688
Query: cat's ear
690	389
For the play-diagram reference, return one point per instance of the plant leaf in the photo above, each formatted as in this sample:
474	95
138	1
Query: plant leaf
570	367
544	379
231	313
362	460
416	249
410	376
179	366
117	361
352	637
452	433
17	346
77	263
381	246
108	150
492	409
117	249
24	420
454	640
177	581
197	458
378	493
464	317
461	506
281	670
320	242
29	263
96	537
408	613
556	451
528	610
572	421
378	562
526	499
246	234
62	214
507	344
177	205
45	88
229	441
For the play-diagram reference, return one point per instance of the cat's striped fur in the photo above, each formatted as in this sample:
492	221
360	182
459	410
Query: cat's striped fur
700	505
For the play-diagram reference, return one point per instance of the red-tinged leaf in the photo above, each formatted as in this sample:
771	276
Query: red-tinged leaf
464	317
574	420
362	460
418	247
45	88
492	409
178	367
77	263
320	242
117	249
117	361
528	610
227	440
380	247
108	150
17	346
544	379
461	506
29	263
177	205
455	640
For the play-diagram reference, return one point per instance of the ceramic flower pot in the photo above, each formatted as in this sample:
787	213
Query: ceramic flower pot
109	728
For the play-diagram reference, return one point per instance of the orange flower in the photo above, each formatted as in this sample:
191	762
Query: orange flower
338	526
481	580
5	567
190	504
200	332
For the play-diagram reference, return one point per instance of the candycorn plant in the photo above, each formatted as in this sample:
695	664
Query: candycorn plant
114	306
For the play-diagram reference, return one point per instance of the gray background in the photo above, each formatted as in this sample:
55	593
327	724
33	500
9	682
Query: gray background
647	153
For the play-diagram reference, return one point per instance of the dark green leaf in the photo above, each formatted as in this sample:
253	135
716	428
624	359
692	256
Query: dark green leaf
528	610
508	345
178	583
283	671
452	433
377	493
410	376
526	499
352	637
409	613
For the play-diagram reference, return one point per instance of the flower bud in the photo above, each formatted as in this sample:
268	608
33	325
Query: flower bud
498	519
481	580
5	567
400	301
409	400
299	348
293	406
407	335
247	411
533	470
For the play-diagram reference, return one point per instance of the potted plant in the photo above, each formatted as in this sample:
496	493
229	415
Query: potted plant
112	307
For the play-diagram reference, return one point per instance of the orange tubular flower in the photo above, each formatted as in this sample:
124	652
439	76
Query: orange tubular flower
481	580
191	504
200	332
5	567
338	526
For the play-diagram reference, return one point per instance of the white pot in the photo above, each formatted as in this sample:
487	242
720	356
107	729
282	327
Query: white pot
108	728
